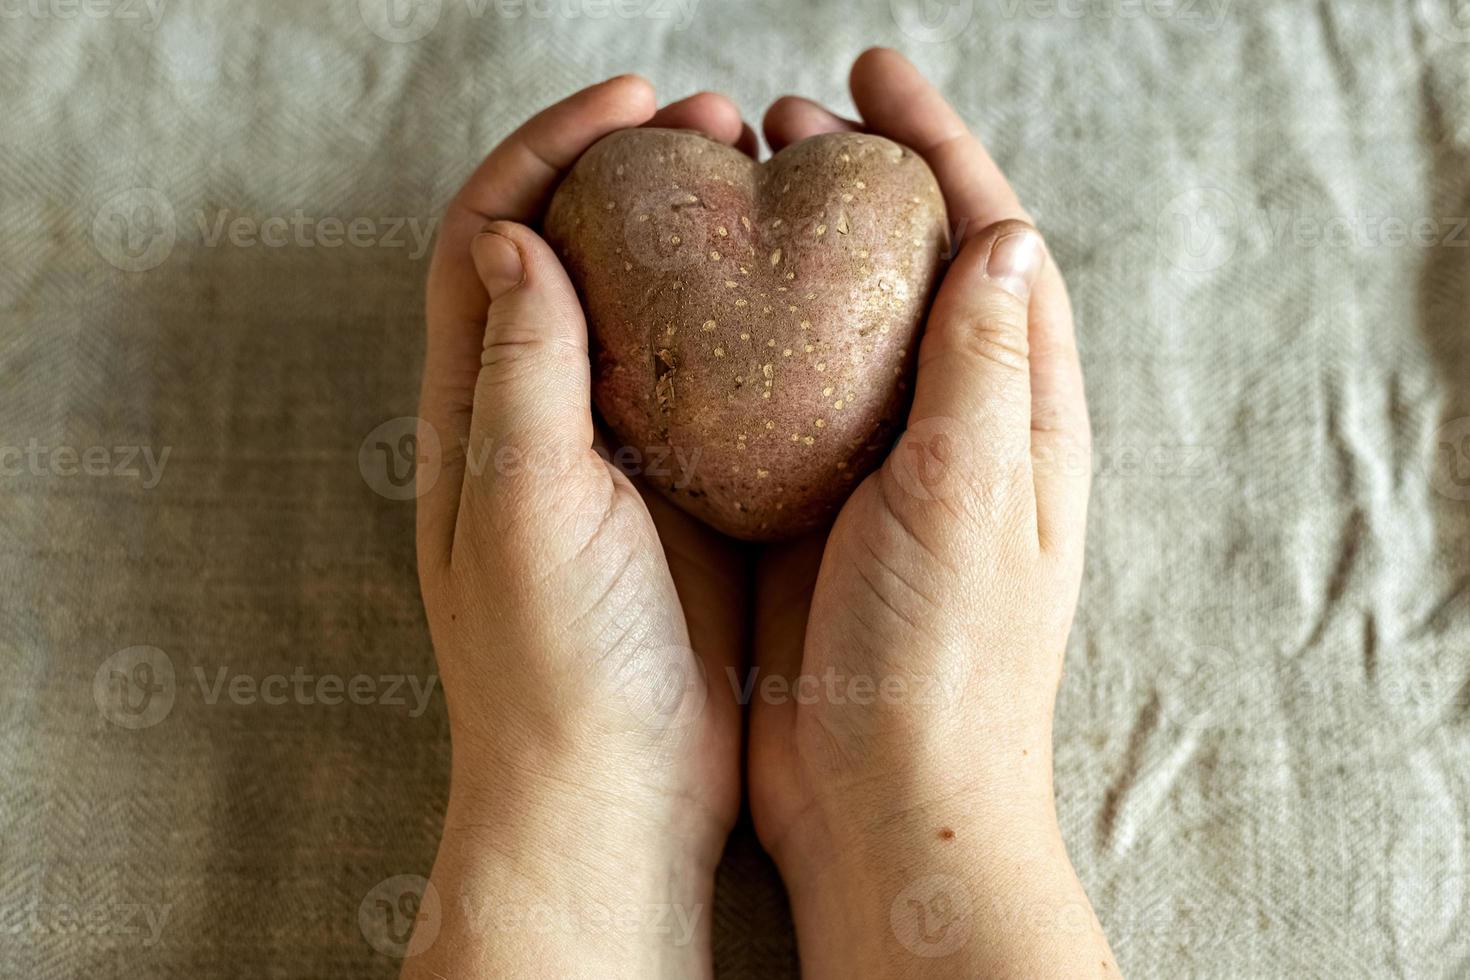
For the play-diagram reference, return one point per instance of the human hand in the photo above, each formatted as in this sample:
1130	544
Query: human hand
595	770
900	760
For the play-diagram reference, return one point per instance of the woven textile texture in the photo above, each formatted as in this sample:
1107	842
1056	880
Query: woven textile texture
1263	735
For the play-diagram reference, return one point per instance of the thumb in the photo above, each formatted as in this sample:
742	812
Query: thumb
974	364
533	393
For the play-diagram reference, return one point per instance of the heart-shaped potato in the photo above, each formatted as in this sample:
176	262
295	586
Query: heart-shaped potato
754	325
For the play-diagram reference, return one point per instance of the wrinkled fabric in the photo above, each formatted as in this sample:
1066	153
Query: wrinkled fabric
1262	737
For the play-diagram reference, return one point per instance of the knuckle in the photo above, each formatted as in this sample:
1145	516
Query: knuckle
990	333
513	349
997	335
978	511
509	341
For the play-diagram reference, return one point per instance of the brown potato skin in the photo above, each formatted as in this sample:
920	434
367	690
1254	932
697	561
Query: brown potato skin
756	323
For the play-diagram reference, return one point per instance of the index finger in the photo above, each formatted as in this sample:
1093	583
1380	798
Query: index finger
515	180
512	183
896	101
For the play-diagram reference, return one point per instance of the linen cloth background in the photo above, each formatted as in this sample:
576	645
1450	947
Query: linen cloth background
1263	754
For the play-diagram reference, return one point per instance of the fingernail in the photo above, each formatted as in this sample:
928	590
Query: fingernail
1015	261
498	262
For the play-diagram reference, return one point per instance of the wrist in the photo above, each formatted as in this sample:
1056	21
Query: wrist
830	817
953	910
858	832
580	815
961	885
544	883
615	893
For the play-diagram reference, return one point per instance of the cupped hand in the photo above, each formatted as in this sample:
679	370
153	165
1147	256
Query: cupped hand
577	627
900	746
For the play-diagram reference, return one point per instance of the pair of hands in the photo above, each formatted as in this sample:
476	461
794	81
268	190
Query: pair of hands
592	638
